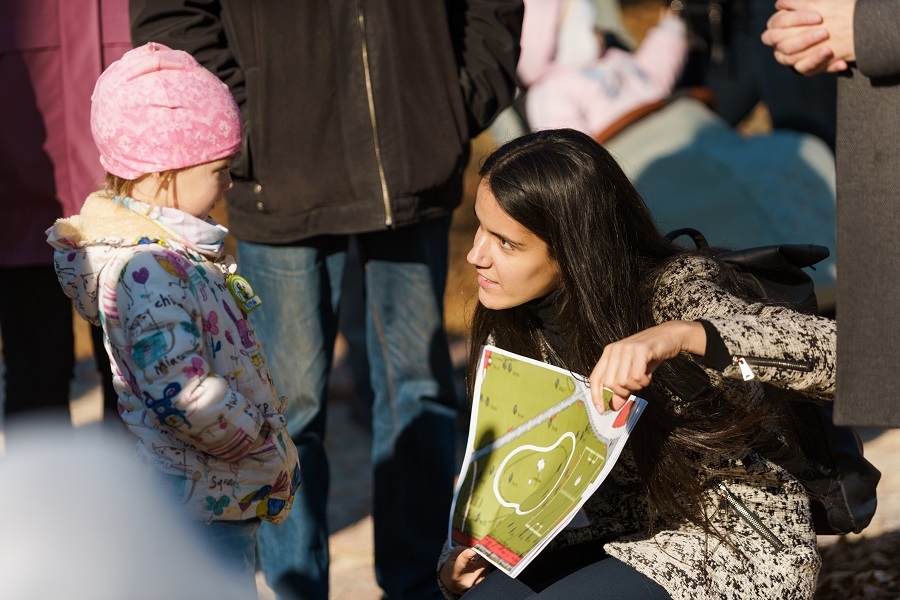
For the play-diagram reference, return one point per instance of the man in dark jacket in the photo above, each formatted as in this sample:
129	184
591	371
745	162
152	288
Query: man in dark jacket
358	117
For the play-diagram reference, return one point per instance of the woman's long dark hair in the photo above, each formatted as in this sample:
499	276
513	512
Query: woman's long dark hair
567	189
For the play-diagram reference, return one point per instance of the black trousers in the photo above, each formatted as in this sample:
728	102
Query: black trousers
39	344
572	573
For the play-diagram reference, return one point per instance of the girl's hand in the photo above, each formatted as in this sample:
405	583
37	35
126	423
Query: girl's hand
626	366
464	569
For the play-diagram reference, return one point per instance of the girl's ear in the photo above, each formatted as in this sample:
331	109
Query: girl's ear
162	180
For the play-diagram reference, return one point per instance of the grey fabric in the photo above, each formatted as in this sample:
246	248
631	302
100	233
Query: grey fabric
868	180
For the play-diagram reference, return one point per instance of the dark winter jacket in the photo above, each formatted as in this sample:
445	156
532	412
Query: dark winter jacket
357	114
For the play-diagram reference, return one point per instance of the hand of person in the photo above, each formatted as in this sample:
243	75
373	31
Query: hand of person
799	41
464	569
812	36
626	366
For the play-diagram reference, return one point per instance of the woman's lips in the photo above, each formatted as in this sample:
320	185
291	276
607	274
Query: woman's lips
485	282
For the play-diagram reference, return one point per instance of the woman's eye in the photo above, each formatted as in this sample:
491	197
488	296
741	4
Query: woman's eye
506	244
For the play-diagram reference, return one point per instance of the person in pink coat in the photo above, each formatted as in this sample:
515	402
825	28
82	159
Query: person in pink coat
574	82
51	53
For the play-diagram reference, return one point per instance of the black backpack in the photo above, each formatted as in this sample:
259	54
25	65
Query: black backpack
826	458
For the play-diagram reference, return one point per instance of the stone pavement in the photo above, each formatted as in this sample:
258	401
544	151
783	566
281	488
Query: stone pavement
352	576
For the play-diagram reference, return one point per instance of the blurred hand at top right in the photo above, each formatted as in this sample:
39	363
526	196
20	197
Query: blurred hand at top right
812	36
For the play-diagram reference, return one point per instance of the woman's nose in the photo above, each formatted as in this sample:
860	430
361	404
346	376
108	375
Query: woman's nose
477	254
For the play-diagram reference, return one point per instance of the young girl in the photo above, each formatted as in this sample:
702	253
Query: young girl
144	260
572	270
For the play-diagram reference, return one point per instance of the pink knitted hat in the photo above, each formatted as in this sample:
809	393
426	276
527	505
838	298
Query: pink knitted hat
157	109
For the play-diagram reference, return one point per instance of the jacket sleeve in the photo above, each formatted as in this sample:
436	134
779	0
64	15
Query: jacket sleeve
876	37
781	346
197	28
445	554
664	51
163	329
486	43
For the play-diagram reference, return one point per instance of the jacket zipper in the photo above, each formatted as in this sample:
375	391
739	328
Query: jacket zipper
370	96
744	363
750	518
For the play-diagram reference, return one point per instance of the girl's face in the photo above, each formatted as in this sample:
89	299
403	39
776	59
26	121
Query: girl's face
194	190
513	264
197	189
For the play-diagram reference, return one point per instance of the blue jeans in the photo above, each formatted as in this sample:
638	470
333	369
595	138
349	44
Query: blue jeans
230	545
414	409
233	545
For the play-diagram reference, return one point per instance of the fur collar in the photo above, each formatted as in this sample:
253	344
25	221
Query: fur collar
102	218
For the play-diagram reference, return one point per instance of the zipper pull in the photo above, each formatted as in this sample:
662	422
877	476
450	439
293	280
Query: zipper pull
746	371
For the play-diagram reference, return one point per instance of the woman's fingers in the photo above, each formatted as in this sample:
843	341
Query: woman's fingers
464	569
627	366
816	61
793	32
623	370
837	66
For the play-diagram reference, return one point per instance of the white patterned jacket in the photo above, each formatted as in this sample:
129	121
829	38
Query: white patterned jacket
193	382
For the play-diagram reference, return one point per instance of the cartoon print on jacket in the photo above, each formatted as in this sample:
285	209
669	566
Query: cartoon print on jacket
162	408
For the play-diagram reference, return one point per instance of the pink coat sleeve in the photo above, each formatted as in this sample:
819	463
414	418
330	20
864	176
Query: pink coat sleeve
663	52
538	40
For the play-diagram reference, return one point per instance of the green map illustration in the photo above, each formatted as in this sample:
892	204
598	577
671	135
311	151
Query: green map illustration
537	449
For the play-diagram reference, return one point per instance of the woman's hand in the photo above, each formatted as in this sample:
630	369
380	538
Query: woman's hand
464	569
626	366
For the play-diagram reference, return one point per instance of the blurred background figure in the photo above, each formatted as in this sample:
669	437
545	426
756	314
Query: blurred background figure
691	165
80	522
575	80
728	58
51	53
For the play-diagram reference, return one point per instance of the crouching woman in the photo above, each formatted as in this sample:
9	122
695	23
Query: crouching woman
572	270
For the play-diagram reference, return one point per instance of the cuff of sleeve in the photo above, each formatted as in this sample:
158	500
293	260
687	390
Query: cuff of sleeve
717	356
876	39
673	23
445	554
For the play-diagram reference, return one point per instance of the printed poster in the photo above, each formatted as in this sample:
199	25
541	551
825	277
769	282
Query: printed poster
537	450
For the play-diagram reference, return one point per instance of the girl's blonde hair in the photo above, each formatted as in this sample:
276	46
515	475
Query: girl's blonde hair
119	186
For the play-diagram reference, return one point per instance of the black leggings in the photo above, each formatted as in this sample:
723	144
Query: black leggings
569	574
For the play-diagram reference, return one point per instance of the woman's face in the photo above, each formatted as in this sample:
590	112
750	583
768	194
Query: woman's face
513	264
